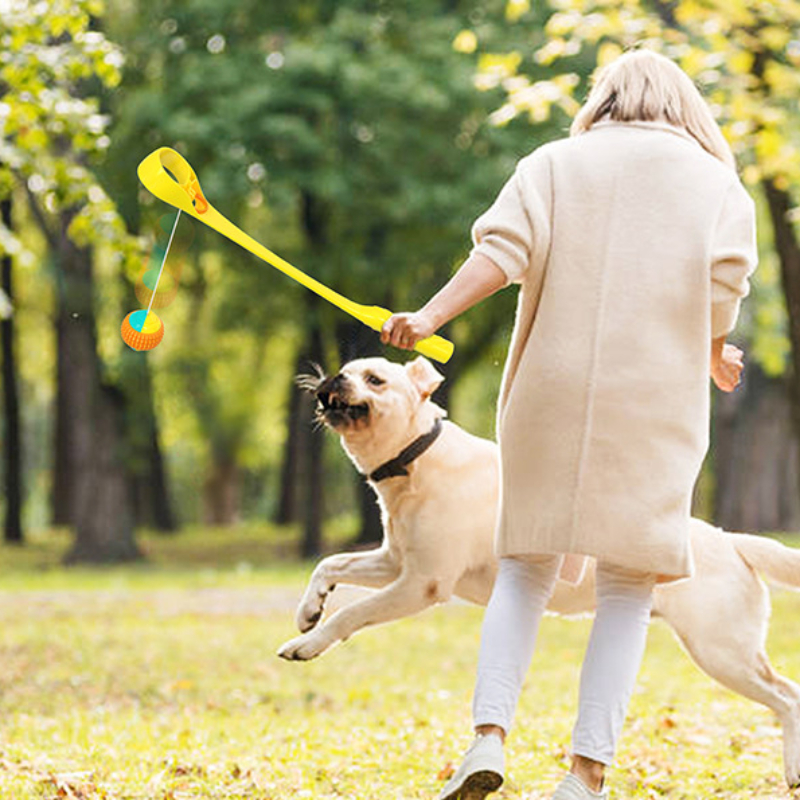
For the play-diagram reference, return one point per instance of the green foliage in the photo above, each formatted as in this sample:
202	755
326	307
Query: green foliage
51	64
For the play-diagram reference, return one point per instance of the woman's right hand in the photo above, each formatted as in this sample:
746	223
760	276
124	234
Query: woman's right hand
726	369
404	330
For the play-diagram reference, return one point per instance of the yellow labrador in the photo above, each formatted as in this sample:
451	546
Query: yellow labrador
438	486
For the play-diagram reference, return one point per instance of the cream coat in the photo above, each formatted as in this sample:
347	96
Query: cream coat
633	247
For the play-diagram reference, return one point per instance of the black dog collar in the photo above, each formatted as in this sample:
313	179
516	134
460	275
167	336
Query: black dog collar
397	466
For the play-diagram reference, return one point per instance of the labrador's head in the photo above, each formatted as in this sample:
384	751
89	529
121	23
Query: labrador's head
374	402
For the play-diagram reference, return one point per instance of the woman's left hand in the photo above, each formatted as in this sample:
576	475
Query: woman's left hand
406	329
727	372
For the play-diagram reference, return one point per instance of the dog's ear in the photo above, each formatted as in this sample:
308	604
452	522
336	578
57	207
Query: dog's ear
424	376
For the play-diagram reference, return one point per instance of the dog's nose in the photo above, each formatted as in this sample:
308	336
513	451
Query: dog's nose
330	389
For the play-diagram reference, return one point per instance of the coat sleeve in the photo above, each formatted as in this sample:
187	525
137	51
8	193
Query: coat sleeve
733	259
515	231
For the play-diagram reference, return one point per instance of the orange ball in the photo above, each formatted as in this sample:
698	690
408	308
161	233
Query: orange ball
142	330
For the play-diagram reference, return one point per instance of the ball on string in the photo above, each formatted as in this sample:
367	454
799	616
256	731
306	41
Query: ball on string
142	330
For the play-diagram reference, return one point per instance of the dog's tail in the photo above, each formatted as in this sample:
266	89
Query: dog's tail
778	563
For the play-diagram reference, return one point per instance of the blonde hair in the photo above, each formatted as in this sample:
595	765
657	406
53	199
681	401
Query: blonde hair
646	86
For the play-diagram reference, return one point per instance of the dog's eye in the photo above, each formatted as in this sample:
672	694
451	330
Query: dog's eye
375	380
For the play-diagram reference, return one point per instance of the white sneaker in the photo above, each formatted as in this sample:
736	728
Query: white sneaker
481	771
573	788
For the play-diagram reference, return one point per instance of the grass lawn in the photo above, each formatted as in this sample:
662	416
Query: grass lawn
161	682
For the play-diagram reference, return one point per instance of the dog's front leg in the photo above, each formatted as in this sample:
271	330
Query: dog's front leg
374	568
407	595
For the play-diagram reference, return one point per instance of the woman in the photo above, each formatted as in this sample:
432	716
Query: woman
633	241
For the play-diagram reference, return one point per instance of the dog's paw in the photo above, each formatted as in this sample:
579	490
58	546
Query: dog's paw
309	612
302	648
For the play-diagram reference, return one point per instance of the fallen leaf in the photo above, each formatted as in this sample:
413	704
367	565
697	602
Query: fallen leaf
446	772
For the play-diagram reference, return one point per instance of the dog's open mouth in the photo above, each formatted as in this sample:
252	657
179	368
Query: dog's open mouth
336	411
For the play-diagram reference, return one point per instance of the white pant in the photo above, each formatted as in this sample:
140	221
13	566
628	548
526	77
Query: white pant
616	646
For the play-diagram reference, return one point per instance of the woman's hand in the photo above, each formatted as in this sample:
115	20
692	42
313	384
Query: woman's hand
726	368
406	329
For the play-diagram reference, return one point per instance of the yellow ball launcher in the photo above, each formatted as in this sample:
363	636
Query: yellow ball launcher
166	174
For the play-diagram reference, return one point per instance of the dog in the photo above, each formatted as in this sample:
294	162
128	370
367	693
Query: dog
437	486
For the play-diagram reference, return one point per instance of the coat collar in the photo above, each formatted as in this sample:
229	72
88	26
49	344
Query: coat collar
653	125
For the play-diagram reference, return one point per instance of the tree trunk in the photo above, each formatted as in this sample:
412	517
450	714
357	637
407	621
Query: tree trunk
151	500
311	544
786	244
161	504
152	505
756	456
301	490
63	511
104	506
222	492
90	420
11	422
314	217
287	510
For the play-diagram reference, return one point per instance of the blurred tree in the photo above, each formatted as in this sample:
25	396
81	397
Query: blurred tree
50	60
353	134
12	475
756	456
153	506
161	102
745	57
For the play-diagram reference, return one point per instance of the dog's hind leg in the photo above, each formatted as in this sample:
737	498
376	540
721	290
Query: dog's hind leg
785	696
407	595
752	676
724	631
373	568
